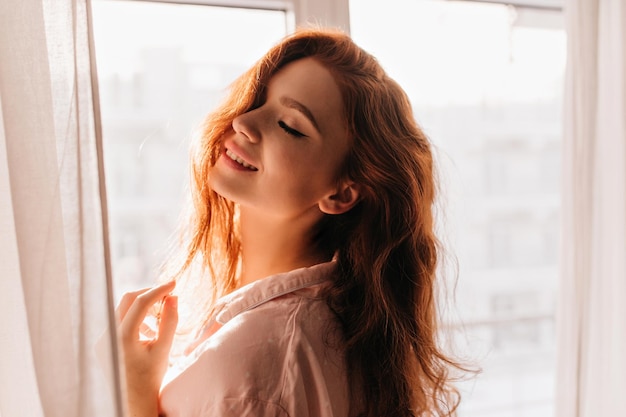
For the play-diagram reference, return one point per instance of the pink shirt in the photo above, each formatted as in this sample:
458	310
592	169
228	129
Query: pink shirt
271	351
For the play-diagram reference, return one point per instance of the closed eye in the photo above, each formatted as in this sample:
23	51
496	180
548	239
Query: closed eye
291	131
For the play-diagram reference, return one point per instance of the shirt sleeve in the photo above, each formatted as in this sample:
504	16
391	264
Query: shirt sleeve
239	371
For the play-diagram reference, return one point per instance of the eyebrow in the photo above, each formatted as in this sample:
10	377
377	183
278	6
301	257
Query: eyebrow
294	104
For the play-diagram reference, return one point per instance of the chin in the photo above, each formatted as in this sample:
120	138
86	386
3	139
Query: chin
220	187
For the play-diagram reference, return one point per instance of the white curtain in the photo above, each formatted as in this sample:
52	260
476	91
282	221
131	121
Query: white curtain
54	292
592	316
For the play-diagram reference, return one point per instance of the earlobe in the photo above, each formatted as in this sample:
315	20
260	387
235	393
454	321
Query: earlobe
341	202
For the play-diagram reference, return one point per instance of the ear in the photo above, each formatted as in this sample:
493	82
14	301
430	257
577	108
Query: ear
341	202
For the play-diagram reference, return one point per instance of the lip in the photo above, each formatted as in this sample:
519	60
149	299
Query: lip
231	146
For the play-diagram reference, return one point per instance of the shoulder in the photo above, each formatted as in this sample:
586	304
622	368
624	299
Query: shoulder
277	339
281	355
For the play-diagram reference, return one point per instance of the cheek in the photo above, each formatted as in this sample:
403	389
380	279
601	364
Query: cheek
288	160
299	168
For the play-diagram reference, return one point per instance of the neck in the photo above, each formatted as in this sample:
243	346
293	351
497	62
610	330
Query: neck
271	246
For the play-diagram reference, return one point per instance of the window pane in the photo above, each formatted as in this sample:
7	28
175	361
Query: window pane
161	68
485	81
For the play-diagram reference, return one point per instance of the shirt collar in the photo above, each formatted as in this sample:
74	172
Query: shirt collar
274	286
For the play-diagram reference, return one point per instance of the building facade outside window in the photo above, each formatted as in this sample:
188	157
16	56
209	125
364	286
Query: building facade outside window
156	85
485	81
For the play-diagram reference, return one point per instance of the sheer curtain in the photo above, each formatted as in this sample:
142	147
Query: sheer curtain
55	296
592	361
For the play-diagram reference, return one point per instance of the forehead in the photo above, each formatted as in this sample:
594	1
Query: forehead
313	85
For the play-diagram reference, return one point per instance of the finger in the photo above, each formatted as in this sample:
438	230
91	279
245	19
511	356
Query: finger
168	323
142	303
126	301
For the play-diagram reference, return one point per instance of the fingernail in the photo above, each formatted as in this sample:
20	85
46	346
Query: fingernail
172	301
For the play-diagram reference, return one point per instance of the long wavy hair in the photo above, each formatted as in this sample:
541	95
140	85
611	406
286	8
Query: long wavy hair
384	294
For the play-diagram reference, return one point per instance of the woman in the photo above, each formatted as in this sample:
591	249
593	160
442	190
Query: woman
313	190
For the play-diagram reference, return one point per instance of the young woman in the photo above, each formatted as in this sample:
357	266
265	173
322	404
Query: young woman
313	190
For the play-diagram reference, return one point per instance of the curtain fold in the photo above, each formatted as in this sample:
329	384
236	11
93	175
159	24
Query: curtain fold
591	379
55	291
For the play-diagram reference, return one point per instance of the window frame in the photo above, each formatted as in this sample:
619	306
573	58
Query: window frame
556	5
333	13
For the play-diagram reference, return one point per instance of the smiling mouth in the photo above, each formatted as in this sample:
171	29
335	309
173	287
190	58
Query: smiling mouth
240	161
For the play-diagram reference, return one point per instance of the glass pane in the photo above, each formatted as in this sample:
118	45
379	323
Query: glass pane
485	81
161	68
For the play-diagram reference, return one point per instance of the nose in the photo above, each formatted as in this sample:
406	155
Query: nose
246	125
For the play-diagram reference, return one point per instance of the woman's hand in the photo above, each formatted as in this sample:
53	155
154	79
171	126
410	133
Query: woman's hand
146	360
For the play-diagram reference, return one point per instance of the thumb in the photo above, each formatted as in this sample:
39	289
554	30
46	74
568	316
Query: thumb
168	322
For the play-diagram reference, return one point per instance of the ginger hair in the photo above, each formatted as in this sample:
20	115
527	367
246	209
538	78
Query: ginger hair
386	250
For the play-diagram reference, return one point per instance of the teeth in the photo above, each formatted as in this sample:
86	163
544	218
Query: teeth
236	158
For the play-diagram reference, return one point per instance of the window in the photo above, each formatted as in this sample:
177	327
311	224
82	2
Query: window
161	68
485	81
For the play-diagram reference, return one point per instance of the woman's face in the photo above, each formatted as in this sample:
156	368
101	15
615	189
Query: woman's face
285	156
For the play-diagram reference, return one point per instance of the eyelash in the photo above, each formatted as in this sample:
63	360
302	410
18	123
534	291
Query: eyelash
290	131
